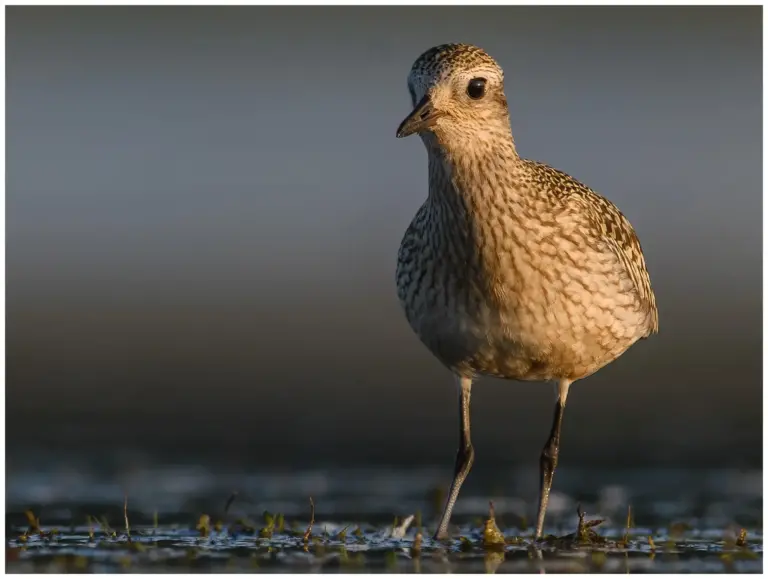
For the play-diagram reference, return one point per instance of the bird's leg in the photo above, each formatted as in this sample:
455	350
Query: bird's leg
464	457
548	461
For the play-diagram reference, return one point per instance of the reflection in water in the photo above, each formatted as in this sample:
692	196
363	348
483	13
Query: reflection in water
493	560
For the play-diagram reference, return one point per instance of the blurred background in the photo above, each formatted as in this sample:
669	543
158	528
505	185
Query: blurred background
204	207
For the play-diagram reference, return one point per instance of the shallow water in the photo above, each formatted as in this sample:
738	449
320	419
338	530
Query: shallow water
693	519
176	549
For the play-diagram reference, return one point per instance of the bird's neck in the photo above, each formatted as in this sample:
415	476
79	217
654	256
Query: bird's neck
471	181
472	192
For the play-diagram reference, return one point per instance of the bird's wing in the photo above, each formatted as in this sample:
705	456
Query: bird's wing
614	229
620	237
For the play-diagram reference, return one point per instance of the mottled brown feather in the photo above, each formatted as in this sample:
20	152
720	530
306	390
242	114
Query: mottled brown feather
512	268
616	231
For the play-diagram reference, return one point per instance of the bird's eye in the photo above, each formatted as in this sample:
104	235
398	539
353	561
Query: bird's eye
476	88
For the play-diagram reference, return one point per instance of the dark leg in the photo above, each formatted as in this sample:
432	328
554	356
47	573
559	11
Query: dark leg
464	458
548	461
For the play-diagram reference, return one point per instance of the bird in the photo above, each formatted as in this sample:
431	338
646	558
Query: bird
510	268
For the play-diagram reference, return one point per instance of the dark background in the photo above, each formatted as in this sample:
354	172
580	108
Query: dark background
204	207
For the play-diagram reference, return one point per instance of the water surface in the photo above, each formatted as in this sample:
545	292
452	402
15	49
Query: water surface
681	520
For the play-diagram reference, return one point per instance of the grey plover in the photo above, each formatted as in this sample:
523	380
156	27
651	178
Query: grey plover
510	268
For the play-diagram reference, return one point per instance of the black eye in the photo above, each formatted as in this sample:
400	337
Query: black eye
476	88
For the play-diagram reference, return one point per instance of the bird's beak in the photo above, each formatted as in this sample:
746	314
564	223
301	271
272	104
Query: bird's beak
423	117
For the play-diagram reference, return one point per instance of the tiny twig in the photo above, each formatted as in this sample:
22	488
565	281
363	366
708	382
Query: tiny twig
230	500
308	532
629	525
125	514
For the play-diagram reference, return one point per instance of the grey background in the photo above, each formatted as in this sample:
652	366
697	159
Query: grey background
204	207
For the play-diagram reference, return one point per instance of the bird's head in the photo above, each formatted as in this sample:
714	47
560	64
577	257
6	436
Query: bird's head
457	92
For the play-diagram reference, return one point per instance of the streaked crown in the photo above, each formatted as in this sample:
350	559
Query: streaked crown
440	62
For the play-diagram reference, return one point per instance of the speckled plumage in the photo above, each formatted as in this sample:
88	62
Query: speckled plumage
510	268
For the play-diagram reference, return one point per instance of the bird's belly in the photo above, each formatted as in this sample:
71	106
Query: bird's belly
471	342
542	330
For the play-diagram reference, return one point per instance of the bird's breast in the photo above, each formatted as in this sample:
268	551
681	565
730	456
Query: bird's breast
517	302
